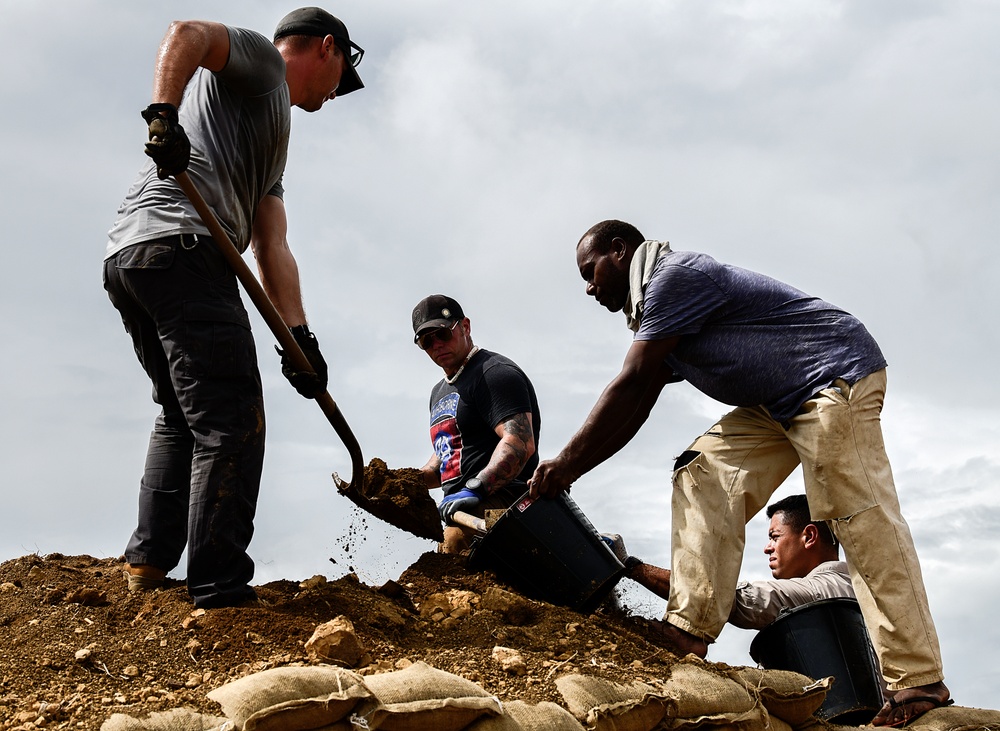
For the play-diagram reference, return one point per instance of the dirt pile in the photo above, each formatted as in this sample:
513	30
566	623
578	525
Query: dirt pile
76	647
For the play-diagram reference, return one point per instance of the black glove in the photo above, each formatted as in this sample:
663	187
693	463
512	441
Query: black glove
309	385
465	500
168	143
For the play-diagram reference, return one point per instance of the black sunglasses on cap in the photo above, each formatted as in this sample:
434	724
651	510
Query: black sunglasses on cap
351	50
444	334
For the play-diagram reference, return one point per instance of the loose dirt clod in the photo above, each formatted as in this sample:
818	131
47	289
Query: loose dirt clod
399	497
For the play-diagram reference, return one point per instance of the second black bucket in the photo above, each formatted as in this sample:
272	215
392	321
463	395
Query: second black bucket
550	551
821	639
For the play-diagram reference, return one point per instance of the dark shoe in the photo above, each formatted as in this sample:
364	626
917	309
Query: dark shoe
911	703
143	577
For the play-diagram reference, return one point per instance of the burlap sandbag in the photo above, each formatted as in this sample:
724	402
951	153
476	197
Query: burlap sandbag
291	698
792	697
423	698
604	705
521	716
957	718
700	697
176	719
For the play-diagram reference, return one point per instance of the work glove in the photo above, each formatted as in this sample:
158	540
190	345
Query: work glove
168	142
309	385
464	500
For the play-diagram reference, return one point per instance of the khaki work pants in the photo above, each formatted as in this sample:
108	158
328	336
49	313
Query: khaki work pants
729	473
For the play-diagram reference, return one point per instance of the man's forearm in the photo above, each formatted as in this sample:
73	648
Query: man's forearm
611	424
279	274
516	446
629	428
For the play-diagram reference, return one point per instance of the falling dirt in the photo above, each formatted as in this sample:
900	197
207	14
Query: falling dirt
399	497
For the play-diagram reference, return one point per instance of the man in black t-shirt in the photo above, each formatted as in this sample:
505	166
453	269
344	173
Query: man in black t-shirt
484	420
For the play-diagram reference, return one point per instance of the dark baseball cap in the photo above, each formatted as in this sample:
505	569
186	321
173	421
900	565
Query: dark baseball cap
319	23
434	312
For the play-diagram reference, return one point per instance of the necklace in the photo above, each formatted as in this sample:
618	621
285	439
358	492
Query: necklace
451	379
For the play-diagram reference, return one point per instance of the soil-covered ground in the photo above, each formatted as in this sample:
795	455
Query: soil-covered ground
76	646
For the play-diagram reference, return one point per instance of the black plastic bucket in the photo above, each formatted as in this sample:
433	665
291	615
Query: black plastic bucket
548	550
820	639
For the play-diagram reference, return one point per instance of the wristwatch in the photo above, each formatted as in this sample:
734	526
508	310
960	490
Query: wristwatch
474	483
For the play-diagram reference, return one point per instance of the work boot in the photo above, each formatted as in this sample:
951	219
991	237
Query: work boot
143	577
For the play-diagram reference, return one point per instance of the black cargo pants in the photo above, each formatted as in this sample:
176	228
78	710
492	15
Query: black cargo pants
180	303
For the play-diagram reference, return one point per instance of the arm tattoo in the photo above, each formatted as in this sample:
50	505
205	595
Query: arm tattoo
511	454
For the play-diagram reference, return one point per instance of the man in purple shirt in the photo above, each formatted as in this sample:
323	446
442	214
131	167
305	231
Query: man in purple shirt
807	382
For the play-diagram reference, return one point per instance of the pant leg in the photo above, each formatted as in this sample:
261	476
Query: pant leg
723	480
849	482
161	529
203	333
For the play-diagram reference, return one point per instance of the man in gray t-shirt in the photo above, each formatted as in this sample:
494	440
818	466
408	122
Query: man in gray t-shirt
807	381
221	111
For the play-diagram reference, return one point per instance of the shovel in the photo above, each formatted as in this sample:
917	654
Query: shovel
281	332
470	521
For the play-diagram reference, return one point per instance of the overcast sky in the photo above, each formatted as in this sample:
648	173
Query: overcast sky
848	148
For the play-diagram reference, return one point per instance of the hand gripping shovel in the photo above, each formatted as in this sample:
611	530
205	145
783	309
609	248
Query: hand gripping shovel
284	336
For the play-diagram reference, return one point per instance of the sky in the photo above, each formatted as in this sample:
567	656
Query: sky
848	148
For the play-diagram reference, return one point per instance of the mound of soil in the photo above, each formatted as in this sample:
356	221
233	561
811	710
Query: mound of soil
76	646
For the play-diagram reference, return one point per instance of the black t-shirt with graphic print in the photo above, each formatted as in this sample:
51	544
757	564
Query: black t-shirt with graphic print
464	416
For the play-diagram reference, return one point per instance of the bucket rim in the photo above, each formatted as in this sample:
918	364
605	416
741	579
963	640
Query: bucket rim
843	601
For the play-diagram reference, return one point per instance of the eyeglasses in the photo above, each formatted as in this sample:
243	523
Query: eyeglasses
351	50
444	334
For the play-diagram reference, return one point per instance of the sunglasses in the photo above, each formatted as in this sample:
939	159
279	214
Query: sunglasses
351	49
444	334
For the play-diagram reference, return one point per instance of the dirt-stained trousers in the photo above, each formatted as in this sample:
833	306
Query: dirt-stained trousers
728	474
180	303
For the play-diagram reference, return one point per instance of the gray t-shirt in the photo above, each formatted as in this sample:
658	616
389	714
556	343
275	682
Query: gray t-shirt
749	340
238	122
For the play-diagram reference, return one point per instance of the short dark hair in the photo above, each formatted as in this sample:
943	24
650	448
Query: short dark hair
603	233
795	512
298	43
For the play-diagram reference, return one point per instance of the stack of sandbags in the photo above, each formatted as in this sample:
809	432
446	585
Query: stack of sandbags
328	698
695	696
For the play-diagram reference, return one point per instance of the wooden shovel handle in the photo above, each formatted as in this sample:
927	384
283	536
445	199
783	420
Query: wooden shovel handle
277	326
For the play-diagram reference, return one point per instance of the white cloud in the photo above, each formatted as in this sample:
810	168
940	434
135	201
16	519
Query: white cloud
845	147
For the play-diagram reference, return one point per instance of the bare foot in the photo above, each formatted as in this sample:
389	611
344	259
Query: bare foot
676	640
909	703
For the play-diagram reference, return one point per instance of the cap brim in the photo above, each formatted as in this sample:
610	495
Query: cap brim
431	325
349	81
